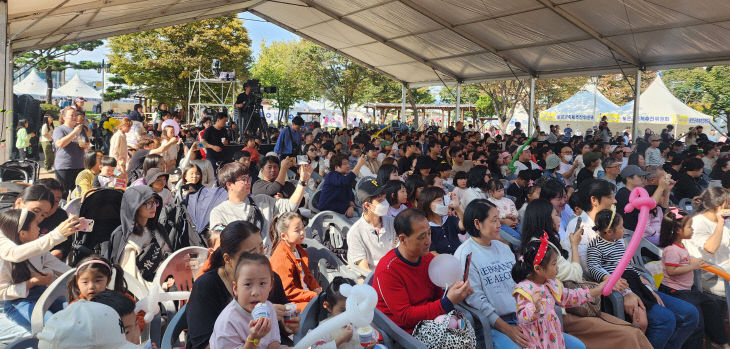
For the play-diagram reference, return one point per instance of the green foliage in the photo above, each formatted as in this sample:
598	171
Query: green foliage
686	84
161	60
117	90
549	92
341	81
484	106
287	65
51	59
717	91
50	108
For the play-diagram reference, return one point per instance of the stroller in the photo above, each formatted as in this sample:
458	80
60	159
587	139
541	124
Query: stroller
9	191
103	206
15	170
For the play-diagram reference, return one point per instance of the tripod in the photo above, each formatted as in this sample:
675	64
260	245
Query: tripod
255	120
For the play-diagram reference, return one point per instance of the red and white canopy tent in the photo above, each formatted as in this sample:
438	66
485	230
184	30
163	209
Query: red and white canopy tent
419	42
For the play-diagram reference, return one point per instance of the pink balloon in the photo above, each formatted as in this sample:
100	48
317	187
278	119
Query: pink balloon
175	125
639	199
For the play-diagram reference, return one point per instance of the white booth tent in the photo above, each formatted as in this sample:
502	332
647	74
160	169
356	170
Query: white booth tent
78	88
581	110
658	108
32	84
418	42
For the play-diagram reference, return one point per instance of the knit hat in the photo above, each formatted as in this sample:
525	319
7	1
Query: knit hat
552	161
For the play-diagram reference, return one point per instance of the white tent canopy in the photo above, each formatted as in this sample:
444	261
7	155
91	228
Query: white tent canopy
421	42
78	88
584	106
658	105
33	85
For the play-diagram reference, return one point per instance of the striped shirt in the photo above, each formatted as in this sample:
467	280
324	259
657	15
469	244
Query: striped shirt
603	257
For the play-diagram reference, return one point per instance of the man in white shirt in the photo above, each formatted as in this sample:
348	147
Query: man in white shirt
373	235
566	168
257	209
524	159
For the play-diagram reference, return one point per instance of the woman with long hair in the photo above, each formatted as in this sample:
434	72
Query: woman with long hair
49	154
118	144
710	240
213	290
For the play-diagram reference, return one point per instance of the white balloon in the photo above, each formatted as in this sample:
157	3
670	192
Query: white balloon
444	270
150	304
360	308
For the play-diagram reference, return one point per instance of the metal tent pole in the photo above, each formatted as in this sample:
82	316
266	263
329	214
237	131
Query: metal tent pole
6	86
403	104
531	117
637	93
458	104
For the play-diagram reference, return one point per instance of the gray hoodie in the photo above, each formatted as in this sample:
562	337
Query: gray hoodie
490	275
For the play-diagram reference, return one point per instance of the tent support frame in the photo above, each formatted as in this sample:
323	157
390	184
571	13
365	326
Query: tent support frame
531	108
637	94
458	105
403	103
6	86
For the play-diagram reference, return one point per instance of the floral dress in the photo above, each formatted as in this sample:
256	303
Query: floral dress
542	326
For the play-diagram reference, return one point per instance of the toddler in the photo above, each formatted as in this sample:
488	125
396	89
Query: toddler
679	278
334	302
507	209
290	260
107	178
236	326
537	292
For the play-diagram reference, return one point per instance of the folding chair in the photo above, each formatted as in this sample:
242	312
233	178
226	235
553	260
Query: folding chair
325	265
176	326
393	336
57	289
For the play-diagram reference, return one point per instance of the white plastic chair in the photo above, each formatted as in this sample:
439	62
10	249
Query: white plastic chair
55	290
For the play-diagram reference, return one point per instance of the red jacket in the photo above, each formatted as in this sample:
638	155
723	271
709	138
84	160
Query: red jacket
405	292
288	267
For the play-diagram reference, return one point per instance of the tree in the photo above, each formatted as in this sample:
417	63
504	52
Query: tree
718	92
342	81
617	90
286	65
686	84
117	90
505	95
51	59
549	92
160	61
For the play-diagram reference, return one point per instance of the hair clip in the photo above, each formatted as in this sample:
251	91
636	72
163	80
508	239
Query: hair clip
542	249
613	215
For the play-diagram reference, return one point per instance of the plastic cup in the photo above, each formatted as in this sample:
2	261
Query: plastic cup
366	335
260	311
291	311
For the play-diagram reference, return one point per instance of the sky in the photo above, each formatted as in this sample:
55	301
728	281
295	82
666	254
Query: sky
258	30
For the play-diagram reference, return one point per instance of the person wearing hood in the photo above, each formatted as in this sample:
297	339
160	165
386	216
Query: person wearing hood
157	180
258	209
139	244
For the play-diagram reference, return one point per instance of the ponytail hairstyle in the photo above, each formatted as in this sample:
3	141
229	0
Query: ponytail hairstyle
525	263
672	224
11	223
606	219
101	265
710	199
280	225
332	294
230	242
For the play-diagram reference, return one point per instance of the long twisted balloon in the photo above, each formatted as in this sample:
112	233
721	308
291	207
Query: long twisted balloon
639	199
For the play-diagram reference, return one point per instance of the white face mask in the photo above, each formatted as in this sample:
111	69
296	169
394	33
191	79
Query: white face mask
441	209
381	209
568	158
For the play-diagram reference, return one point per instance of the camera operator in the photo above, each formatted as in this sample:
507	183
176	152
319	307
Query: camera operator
246	103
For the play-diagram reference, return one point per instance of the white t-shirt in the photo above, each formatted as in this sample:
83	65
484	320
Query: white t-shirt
588	235
563	168
505	206
702	229
366	242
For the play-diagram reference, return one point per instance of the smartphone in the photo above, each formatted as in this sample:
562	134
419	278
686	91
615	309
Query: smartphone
578	223
86	225
466	266
120	183
302	159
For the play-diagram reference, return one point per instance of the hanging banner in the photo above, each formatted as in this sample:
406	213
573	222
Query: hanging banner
547	116
648	119
610	117
565	117
693	120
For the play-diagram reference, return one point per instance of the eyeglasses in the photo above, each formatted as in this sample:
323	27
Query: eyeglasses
627	153
244	179
151	204
615	166
482	161
459	155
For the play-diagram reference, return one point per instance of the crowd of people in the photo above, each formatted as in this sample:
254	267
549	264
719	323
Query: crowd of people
541	227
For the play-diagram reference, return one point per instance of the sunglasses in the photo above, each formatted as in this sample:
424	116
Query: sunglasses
482	161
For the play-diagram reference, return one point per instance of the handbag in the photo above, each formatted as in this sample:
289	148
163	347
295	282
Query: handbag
150	259
438	335
590	309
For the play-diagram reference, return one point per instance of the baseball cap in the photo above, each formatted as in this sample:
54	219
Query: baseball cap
80	99
552	162
632	170
84	325
613	147
590	157
153	174
368	189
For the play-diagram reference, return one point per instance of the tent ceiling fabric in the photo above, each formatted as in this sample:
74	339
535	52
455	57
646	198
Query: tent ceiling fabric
422	42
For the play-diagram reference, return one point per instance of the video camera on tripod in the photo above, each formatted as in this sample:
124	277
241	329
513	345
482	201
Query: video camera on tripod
252	117
258	90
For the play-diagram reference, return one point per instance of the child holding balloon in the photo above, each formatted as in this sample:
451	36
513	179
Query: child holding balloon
537	292
679	278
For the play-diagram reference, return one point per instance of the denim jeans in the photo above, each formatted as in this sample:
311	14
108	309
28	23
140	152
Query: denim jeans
10	331
512	232
502	341
19	310
670	325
